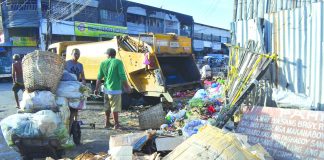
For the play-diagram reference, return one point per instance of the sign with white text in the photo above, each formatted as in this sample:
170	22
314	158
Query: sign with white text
285	133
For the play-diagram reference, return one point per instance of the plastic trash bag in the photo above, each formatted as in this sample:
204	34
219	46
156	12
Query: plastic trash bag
64	115
68	76
47	122
192	127
69	89
61	101
62	134
38	100
27	129
287	99
77	103
196	102
9	126
69	144
201	93
172	117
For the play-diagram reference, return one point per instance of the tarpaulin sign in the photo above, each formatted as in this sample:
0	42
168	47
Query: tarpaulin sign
98	30
285	133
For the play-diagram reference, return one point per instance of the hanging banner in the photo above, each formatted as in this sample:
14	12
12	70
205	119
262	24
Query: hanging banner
24	41
98	30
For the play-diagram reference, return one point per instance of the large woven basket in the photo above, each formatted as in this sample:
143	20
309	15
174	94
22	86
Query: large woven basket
152	118
42	71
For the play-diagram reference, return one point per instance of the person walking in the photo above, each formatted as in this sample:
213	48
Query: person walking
112	71
17	77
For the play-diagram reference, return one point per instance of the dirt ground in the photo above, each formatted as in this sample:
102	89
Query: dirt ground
93	140
97	140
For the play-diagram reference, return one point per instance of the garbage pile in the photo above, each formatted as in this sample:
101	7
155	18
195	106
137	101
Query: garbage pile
214	143
188	131
45	115
43	120
201	109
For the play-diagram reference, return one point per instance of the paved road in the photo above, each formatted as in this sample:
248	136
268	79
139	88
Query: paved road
7	107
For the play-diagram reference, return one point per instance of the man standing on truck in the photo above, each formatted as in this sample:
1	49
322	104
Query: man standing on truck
112	71
17	77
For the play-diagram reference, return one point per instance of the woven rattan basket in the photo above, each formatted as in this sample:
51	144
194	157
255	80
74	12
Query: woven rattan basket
42	71
152	118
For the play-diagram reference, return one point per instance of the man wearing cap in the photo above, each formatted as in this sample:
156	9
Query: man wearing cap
112	71
17	77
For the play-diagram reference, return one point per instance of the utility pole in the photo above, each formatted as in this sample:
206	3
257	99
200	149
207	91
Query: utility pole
49	25
235	11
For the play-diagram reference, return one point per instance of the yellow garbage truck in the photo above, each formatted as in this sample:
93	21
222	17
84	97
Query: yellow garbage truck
156	65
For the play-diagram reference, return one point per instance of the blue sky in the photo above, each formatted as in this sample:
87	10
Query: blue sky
211	12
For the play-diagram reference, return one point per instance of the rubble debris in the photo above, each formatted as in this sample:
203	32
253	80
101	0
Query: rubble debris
131	139
121	153
213	143
168	143
140	156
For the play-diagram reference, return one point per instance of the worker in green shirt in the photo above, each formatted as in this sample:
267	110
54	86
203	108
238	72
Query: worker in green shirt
112	71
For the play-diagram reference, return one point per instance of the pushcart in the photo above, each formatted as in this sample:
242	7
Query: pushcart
30	148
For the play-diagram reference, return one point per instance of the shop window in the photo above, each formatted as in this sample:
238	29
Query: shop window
103	14
135	19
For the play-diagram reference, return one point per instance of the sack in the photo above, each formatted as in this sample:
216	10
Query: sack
38	100
69	144
77	103
287	99
61	101
62	134
69	89
41	124
47	122
64	115
9	126
67	76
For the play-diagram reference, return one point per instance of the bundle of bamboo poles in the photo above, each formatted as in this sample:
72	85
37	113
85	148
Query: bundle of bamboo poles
246	68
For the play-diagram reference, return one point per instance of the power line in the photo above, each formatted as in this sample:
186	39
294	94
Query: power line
78	11
3	2
63	11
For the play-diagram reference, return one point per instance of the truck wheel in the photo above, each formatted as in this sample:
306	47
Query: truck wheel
76	132
126	101
27	158
60	153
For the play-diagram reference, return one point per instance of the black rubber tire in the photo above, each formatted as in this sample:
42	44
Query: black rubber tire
151	100
76	132
126	101
27	158
60	153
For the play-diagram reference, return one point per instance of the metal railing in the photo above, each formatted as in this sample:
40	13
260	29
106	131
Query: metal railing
21	7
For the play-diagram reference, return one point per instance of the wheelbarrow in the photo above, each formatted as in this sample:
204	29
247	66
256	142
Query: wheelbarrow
30	148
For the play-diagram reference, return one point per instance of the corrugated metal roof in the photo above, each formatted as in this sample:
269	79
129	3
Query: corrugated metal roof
297	36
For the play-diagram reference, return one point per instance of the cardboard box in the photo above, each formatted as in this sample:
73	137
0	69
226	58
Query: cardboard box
121	153
168	143
125	139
